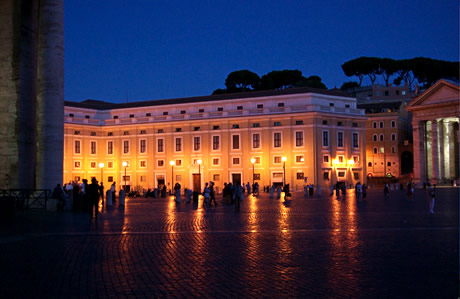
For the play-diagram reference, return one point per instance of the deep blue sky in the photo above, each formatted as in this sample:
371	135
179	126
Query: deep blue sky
154	49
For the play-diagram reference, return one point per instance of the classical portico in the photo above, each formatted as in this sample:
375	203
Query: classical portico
435	121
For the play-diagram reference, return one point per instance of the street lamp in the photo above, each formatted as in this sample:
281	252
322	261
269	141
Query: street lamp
124	165
253	161
172	163
199	173
101	166
284	170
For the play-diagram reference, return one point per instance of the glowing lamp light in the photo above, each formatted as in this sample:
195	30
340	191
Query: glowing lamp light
253	160
172	163
335	161
101	165
351	162
124	163
283	159
199	161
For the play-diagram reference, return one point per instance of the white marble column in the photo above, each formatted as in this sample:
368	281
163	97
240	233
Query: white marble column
419	151
434	151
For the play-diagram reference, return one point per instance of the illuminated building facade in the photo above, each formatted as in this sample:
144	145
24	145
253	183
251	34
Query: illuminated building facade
388	139
298	135
435	122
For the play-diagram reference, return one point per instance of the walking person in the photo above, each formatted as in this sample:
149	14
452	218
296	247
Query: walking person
272	191
431	194
248	187
239	191
112	188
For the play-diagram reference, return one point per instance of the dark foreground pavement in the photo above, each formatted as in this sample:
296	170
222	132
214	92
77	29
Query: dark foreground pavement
308	247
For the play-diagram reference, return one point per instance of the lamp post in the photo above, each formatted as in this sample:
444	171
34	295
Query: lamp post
124	165
172	163
199	173
253	161
101	166
284	170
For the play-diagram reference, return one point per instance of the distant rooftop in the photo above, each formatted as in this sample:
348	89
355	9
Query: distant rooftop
102	105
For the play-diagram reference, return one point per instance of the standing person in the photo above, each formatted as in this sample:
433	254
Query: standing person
212	195
386	190
272	191
93	197
239	191
359	190
409	190
206	193
431	194
278	192
101	191
177	187
112	188
248	187
364	190
58	194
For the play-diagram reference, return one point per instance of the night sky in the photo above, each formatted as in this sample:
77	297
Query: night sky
121	50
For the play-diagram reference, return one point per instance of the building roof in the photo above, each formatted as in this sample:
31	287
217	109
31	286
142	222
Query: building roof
102	105
379	107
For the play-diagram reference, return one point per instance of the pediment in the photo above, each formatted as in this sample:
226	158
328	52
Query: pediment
441	92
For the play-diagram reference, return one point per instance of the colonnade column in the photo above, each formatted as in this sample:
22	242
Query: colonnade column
419	151
434	151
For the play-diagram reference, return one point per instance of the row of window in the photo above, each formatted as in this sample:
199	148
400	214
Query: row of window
382	150
369	164
216	143
340	139
234	126
236	161
381	124
382	137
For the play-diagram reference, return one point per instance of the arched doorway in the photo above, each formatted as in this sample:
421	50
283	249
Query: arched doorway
407	162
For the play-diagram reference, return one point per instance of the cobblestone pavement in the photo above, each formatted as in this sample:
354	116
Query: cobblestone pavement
310	247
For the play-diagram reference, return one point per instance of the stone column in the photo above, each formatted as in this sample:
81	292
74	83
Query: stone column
434	151
441	146
50	112
419	151
18	73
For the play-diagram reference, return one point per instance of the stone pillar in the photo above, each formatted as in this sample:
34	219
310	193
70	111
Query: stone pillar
441	143
50	98
419	151
18	73
434	152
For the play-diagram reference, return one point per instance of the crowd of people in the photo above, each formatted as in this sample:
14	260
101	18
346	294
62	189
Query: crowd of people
83	196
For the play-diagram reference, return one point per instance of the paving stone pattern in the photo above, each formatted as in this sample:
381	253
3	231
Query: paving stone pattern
308	247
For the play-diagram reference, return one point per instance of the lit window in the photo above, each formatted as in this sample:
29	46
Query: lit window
276	139
77	147
277	159
143	146
340	139
382	150
235	142
215	143
299	159
93	147
341	159
178	162
178	144
196	143
93	164
355	140
109	147
143	163
298	138
255	140
215	161
325	138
